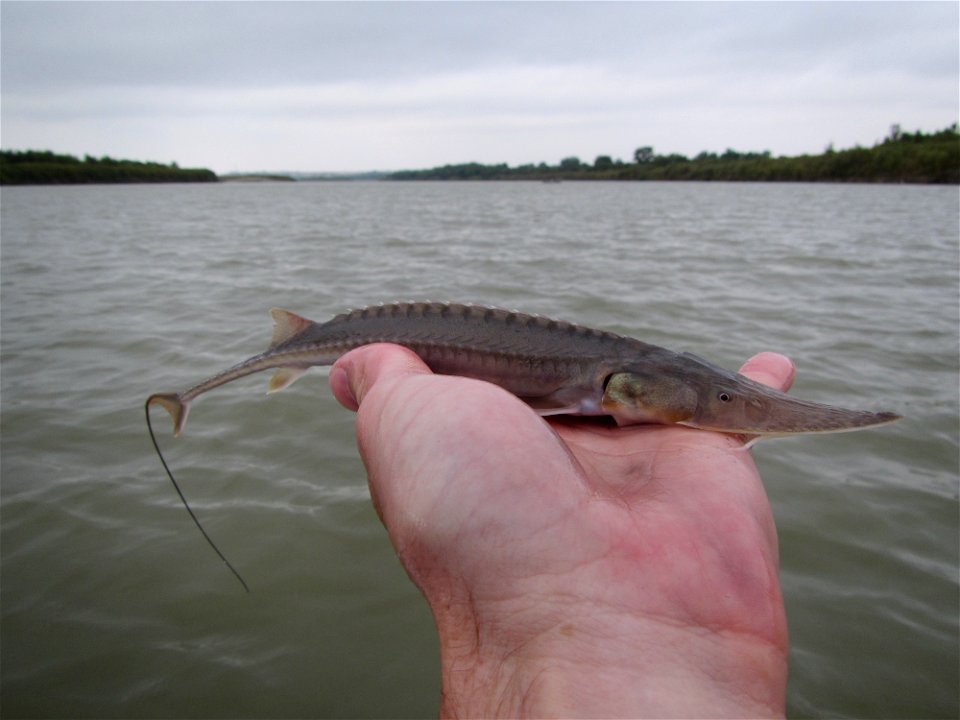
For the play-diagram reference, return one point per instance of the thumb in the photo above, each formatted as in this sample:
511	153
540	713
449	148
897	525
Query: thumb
354	375
773	369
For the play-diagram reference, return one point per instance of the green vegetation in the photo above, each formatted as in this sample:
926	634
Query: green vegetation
42	167
900	158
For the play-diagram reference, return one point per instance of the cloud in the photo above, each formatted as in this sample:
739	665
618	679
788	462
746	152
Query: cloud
333	86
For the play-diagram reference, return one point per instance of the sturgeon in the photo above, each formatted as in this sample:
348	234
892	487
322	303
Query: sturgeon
554	366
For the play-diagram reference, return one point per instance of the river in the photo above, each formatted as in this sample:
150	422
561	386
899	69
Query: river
112	604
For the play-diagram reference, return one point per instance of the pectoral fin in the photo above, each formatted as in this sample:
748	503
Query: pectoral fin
547	408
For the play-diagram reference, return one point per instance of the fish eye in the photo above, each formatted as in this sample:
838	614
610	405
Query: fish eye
724	397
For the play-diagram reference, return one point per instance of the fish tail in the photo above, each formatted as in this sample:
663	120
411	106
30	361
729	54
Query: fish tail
178	409
173	404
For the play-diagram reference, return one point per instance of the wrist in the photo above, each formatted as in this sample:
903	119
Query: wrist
602	663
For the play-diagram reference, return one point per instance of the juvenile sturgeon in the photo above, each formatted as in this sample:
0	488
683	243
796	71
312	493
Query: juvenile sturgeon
554	366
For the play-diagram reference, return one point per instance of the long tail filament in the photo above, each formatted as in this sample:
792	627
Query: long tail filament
176	487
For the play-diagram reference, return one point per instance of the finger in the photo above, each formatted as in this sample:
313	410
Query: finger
773	369
354	375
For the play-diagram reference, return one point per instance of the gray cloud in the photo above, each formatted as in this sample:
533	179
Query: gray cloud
354	85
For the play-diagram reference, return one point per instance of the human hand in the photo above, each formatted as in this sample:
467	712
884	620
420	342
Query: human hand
574	568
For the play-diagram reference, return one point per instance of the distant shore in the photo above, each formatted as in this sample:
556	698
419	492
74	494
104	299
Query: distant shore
42	167
900	158
255	178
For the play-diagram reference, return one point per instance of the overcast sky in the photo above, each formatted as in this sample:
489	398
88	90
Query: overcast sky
360	86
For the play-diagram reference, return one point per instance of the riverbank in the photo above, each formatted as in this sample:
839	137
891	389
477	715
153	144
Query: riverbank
922	158
42	167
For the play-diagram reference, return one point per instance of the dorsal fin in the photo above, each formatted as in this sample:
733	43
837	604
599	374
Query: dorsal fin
286	325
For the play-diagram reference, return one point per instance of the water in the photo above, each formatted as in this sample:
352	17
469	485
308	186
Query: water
113	606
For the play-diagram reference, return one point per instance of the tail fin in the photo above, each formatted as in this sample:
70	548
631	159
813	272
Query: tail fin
172	403
178	409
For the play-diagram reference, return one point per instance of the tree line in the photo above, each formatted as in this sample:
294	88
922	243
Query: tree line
901	157
43	167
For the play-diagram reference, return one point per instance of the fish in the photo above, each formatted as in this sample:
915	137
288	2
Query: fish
556	367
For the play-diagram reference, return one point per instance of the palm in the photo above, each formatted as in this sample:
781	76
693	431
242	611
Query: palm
692	514
488	507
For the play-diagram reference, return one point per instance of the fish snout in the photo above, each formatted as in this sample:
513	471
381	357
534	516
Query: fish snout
751	408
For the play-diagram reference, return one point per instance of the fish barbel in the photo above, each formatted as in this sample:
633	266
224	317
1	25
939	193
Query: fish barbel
554	366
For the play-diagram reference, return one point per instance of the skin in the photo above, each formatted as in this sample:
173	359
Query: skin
574	569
